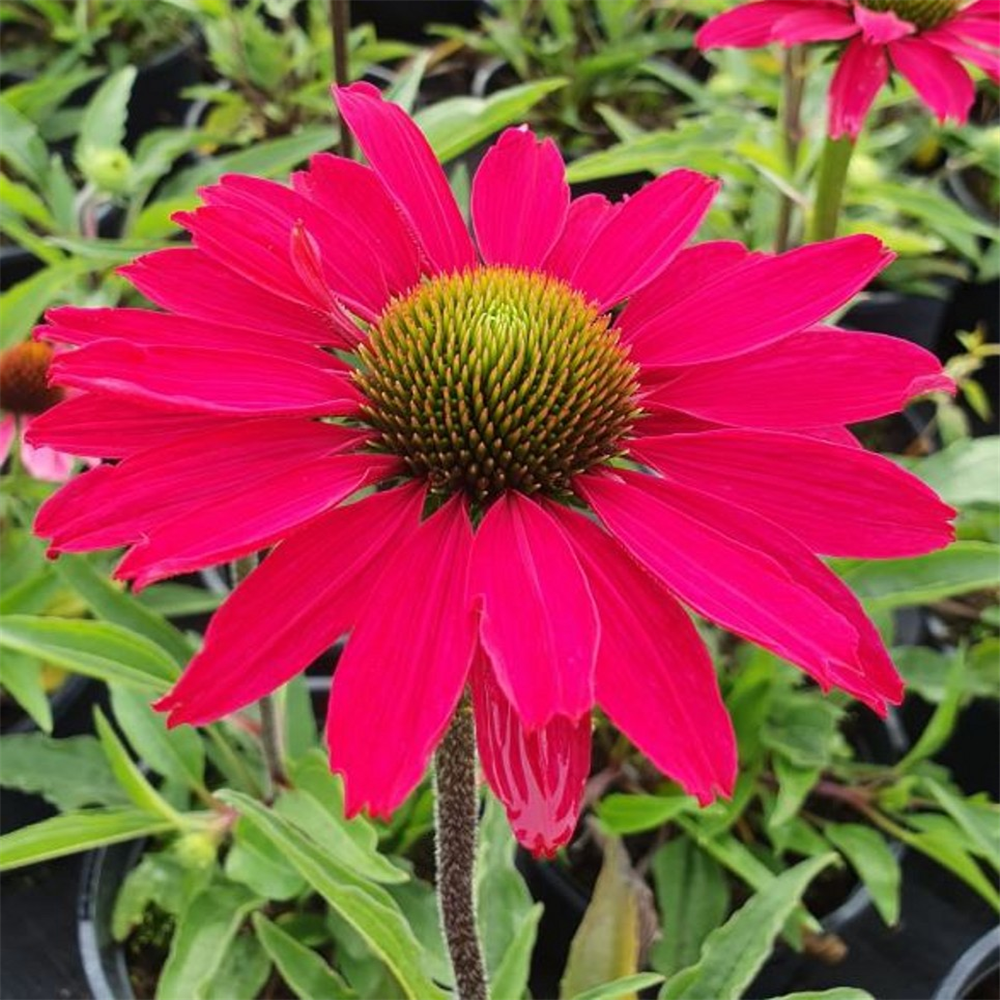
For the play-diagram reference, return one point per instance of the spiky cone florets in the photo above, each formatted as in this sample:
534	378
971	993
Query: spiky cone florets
497	378
925	14
24	386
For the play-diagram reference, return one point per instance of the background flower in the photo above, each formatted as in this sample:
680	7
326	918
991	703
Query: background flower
924	40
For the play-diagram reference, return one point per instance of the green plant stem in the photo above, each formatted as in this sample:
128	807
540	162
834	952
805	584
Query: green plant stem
793	76
270	728
340	24
456	809
830	187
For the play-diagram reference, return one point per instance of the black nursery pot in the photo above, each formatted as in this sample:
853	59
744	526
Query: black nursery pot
102	957
976	975
16	264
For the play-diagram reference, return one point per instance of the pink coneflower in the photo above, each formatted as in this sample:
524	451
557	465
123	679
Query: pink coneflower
466	455
24	394
924	40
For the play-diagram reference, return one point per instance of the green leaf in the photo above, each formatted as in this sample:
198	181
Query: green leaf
316	806
503	900
982	828
944	848
104	119
70	773
301	733
305	972
693	898
965	472
734	953
23	679
794	785
246	967
607	943
176	754
97	649
116	606
626	986
895	583
802	729
623	814
175	600
132	780
510	977
871	857
925	670
456	124
365	906
204	932
254	861
22	145
942	723
23	304
161	879
75	832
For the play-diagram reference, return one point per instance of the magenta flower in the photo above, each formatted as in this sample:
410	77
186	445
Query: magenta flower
555	476
925	40
24	394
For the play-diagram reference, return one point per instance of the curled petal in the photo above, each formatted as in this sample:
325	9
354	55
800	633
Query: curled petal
539	773
881	27
861	73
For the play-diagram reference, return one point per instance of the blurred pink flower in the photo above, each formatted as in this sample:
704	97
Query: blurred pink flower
924	40
346	333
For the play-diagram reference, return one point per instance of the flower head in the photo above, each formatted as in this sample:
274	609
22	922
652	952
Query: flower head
573	426
25	393
924	40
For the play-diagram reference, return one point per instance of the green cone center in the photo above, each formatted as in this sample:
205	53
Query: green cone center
497	378
925	14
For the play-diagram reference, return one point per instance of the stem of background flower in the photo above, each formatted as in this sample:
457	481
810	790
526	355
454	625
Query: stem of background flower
270	728
830	187
793	78
340	23
456	813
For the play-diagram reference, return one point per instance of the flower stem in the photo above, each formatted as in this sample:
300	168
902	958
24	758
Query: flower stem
456	808
340	22
830	187
270	728
793	76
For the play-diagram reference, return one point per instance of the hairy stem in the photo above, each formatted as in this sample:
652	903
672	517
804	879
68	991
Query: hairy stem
793	75
830	187
340	22
456	808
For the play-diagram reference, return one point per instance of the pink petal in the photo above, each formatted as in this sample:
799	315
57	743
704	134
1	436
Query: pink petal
406	164
655	678
749	576
538	774
837	500
519	199
187	281
746	26
110	427
205	380
818	377
308	591
586	217
881	27
8	431
353	196
817	22
958	44
861	73
539	625
407	661
745	303
147	328
642	236
44	463
230	527
937	76
113	505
